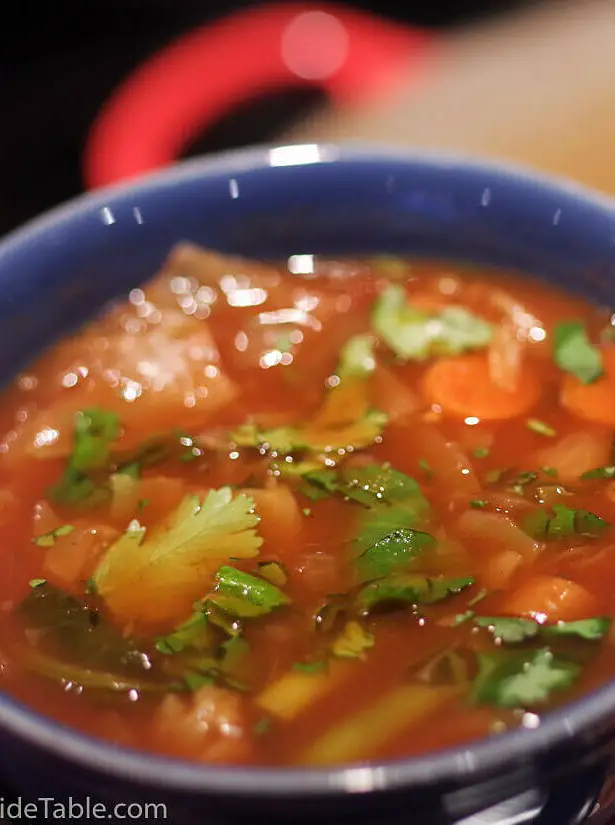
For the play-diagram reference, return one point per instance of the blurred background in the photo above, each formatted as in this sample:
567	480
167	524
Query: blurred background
61	59
523	79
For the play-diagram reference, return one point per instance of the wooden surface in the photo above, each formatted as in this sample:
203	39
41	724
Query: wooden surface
537	88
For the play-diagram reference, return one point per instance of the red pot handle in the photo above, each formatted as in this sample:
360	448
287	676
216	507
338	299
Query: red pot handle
177	94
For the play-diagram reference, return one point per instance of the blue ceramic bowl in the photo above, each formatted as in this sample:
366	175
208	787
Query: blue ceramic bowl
58	270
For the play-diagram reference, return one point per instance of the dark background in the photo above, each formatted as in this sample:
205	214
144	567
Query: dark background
60	59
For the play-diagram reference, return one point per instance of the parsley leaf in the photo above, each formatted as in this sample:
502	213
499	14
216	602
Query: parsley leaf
416	335
574	353
513	679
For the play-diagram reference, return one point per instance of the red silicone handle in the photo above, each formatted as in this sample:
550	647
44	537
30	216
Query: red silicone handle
177	94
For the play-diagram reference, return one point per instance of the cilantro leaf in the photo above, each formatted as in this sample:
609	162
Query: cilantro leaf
588	629
600	472
376	484
416	335
85	649
244	595
508	629
357	357
393	552
94	430
359	433
150	578
574	353
49	539
514	679
194	633
564	522
406	589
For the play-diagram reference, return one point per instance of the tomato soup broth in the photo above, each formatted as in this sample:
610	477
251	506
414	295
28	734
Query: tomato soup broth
365	511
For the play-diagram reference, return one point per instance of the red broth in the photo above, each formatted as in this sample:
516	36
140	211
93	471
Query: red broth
365	511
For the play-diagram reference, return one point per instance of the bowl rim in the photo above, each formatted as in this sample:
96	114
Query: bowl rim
483	758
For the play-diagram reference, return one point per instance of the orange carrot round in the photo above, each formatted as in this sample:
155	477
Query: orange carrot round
461	386
552	597
593	402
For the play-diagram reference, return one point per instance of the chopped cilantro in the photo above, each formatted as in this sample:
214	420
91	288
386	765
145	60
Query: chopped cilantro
353	642
94	430
142	504
509	630
406	589
521	481
310	667
549	471
244	595
360	432
541	428
564	522
481	452
357	357
393	552
161	566
37	582
600	472
574	353
194	633
588	629
416	335
478	503
462	618
306	511
512	679
49	539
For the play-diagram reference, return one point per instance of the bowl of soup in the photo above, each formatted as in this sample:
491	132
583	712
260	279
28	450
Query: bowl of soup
307	496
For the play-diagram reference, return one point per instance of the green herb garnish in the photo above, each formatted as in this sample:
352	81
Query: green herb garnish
407	589
49	539
416	335
574	353
512	679
541	428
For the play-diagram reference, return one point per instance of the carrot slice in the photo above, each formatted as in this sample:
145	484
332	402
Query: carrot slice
552	597
462	387
593	402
